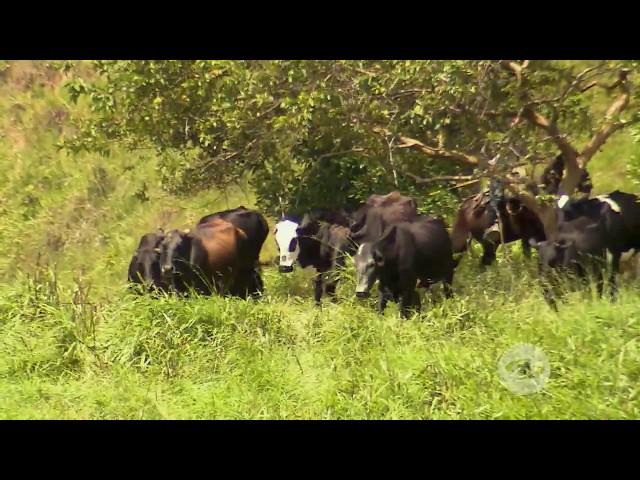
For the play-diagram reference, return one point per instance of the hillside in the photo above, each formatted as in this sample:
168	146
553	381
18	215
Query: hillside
75	344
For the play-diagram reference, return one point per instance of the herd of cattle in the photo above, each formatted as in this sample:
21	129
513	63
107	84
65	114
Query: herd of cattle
391	243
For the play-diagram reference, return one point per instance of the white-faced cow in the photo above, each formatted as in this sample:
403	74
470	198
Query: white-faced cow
286	236
320	240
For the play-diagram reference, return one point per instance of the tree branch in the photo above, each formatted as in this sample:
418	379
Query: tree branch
443	178
406	142
225	158
551	128
608	128
515	67
270	109
342	152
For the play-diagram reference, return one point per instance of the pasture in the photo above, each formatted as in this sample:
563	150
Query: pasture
75	344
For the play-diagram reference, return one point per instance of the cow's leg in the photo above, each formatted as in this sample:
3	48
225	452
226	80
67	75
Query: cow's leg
415	300
615	269
257	286
383	299
448	292
330	289
248	283
549	297
488	255
242	284
212	284
548	289
317	282
526	248
333	275
408	299
599	276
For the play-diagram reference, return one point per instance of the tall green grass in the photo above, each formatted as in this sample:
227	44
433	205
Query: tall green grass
281	357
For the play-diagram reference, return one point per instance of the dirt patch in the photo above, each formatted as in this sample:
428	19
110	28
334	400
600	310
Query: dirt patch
23	75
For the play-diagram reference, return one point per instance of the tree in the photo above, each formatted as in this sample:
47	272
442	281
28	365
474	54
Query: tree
328	133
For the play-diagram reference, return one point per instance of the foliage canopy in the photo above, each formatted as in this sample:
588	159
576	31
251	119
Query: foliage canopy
328	133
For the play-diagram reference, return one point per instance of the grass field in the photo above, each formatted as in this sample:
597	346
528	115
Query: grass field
75	344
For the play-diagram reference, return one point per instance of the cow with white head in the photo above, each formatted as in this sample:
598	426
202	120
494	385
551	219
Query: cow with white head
320	240
286	235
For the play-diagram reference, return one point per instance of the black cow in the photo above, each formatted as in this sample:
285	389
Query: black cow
586	230
320	240
325	247
175	264
578	248
406	252
255	226
144	268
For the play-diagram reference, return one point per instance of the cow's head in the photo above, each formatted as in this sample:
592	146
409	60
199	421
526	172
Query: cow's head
366	259
145	267
148	265
559	253
286	235
513	206
174	248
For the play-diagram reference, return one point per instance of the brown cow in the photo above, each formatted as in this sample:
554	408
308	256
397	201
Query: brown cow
380	211
473	220
205	258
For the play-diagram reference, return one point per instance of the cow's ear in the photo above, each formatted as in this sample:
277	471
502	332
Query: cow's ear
241	233
390	234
